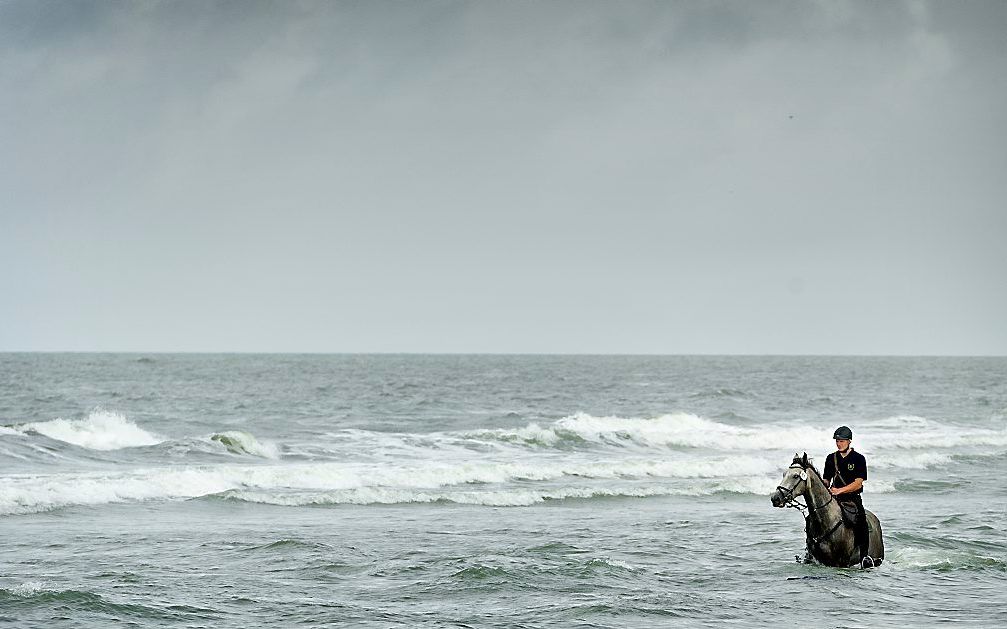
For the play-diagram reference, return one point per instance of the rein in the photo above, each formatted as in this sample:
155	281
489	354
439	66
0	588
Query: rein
790	500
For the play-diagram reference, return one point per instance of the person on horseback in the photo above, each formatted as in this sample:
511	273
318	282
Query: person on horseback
845	473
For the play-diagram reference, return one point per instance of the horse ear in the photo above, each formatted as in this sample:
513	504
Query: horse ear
804	461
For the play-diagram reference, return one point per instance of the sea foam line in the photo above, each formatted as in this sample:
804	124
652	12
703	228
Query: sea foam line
507	497
21	494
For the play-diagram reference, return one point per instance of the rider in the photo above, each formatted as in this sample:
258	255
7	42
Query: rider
845	473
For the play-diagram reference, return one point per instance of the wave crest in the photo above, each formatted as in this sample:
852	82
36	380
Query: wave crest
239	442
100	430
671	430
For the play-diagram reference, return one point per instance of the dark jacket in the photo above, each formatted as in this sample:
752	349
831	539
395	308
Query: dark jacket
853	465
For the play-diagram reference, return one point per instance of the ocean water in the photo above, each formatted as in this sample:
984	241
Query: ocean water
488	491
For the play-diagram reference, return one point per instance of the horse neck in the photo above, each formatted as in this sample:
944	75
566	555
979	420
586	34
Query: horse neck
817	495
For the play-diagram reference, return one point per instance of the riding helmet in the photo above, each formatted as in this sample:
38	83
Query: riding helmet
843	432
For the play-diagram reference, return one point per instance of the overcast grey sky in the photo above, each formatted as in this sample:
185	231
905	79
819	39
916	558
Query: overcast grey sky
577	177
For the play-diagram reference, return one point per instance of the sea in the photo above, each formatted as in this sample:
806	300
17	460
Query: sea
510	491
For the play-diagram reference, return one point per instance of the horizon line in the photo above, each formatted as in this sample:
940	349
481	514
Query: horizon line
413	353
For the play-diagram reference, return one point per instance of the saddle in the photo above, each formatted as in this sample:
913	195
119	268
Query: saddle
849	511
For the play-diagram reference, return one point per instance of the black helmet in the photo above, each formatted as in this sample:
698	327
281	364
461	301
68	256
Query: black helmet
843	432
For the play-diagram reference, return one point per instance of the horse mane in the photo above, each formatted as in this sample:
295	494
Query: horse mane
800	461
814	469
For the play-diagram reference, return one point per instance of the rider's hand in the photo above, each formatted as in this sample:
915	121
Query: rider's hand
834	491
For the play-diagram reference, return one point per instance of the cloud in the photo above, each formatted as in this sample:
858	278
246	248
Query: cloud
503	175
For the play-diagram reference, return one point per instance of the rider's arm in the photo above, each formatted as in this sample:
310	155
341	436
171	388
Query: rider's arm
853	486
829	473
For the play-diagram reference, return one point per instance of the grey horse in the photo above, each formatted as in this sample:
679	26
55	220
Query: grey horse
829	540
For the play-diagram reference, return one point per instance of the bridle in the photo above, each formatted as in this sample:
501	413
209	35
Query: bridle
790	500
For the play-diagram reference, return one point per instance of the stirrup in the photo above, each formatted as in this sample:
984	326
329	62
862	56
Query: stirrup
866	562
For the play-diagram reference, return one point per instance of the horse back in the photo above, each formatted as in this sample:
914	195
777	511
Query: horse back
875	539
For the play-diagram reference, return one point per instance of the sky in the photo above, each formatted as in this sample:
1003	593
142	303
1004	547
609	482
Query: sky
522	177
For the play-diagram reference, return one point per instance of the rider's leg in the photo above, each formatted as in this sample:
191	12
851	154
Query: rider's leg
860	535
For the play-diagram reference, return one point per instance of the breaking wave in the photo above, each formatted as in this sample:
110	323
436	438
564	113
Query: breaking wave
100	430
673	430
490	483
911	432
579	456
238	442
907	441
685	430
519	497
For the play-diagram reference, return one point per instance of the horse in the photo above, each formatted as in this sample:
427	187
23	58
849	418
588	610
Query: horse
829	540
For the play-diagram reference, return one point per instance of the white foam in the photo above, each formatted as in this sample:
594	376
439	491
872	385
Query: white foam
917	557
32	494
676	429
101	430
911	432
501	498
429	475
685	430
758	485
901	422
911	460
31	588
879	487
304	487
497	498
424	468
26	494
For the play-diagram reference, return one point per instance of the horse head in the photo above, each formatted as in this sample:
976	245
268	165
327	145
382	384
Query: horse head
794	483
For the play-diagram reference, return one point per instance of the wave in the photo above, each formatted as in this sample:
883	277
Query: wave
912	432
902	422
31	588
100	430
238	442
497	498
723	392
389	495
104	430
942	560
672	430
34	494
288	544
474	482
685	430
905	441
518	497
676	454
28	494
928	486
913	461
46	595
